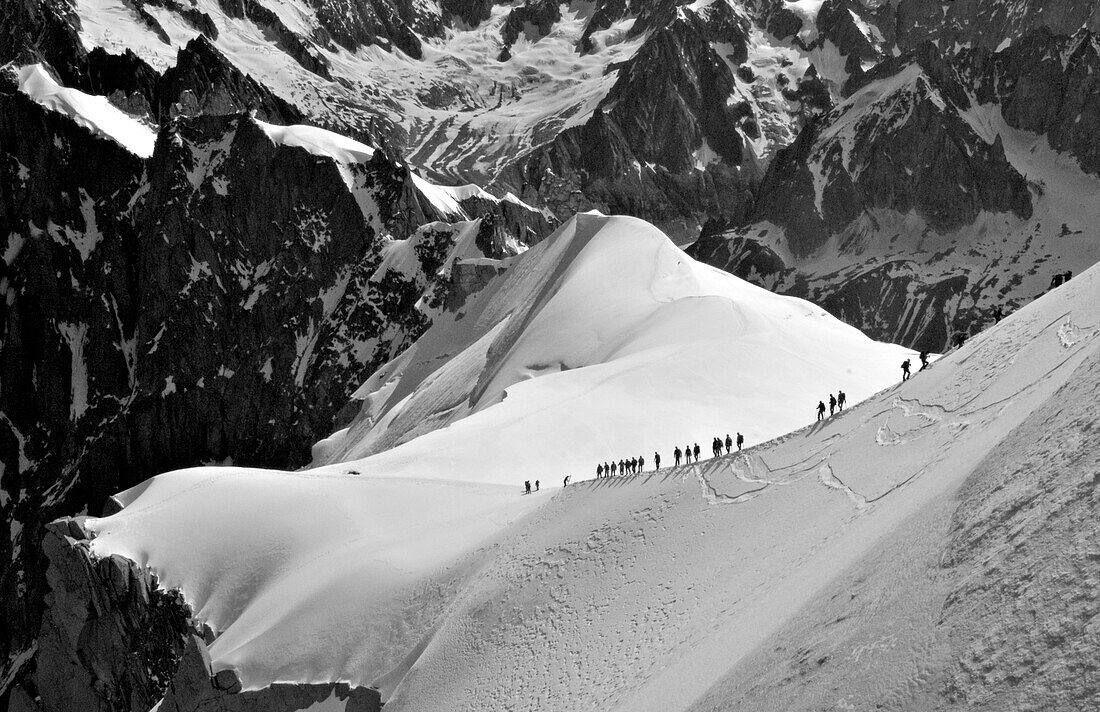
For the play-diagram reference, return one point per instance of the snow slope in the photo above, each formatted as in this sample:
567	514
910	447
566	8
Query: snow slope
643	593
607	341
94	113
577	355
638	593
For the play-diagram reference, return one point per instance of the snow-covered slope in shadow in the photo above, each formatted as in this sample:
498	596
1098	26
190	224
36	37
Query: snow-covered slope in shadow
604	341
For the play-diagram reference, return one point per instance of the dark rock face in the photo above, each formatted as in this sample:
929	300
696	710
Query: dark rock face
472	12
907	25
63	200
219	300
110	639
387	23
1049	85
748	259
905	149
113	640
635	154
298	47
895	299
986	23
535	18
204	82
903	142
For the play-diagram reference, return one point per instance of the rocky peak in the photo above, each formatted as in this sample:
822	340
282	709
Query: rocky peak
113	639
203	81
385	23
899	141
146	299
1046	84
534	19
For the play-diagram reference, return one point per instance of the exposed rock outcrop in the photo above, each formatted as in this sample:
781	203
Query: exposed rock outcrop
1047	84
221	299
908	141
113	640
534	18
204	82
638	153
110	638
899	142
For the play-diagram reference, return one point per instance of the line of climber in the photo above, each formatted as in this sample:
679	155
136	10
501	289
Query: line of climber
689	454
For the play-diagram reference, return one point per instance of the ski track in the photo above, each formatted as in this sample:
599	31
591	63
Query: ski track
905	422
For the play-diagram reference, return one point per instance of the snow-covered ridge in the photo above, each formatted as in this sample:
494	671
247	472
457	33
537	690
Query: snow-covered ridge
575	355
607	312
92	112
625	594
319	142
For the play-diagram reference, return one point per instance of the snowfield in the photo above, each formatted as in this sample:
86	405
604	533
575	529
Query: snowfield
424	570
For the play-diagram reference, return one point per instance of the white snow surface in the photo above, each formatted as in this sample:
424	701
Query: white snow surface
637	593
605	340
633	593
92	112
341	572
319	142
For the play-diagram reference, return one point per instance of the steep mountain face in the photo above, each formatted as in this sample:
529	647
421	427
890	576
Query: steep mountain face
514	96
216	295
113	639
716	114
887	210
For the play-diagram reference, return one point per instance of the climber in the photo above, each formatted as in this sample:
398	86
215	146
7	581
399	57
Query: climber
832	404
841	399
696	452
820	410
905	370
599	471
656	461
729	443
923	360
676	454
527	485
740	440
